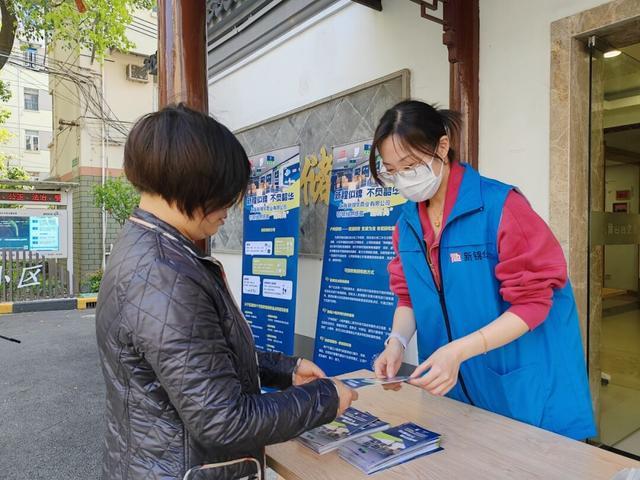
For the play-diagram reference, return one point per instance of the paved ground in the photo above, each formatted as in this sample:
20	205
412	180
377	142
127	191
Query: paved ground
51	397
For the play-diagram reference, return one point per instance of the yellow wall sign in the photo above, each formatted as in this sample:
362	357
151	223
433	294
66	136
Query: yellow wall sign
315	179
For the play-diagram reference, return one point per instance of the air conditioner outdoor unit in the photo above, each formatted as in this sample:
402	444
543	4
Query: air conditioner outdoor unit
137	73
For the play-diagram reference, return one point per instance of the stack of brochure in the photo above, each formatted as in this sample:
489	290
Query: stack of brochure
350	425
390	447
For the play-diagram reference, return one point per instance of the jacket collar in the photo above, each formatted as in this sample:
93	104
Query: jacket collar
169	230
470	194
469	200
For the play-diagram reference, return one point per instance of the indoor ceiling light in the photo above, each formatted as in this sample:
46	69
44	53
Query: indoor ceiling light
612	53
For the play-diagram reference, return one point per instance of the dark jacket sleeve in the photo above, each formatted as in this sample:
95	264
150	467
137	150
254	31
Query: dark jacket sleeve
175	325
276	369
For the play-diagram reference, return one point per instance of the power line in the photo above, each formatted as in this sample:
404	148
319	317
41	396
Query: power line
91	100
18	56
70	100
84	81
73	101
142	26
86	86
119	121
59	82
42	67
130	27
30	76
80	81
140	19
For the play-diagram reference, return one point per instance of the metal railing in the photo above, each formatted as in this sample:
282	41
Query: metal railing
26	275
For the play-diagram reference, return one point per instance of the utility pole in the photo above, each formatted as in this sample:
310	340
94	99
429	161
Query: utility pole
103	165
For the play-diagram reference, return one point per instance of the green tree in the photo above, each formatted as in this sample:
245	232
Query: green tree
7	172
13	173
118	197
97	25
5	113
5	134
5	92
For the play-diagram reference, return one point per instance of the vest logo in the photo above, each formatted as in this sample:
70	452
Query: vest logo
473	256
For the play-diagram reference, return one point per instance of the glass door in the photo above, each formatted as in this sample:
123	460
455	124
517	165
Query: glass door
614	223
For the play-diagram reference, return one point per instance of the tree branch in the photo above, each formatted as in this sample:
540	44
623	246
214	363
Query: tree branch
7	32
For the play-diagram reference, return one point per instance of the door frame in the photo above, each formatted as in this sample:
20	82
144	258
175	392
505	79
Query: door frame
569	177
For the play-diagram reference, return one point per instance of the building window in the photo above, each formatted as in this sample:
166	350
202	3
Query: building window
31	99
32	140
31	57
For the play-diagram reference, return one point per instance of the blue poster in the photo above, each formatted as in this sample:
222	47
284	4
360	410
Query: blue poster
270	249
356	306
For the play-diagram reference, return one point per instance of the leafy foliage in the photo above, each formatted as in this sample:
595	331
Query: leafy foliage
118	197
8	172
14	172
101	26
93	281
5	93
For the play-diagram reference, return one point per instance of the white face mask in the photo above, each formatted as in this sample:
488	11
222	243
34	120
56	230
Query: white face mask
419	184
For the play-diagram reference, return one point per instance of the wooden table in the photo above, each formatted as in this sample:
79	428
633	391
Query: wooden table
477	445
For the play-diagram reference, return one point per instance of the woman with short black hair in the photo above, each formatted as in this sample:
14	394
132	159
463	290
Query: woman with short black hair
182	375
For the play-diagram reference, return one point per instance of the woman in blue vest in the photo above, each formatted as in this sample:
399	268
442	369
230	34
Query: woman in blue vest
481	279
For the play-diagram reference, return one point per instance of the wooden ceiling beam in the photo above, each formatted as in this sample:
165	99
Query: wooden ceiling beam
461	34
462	38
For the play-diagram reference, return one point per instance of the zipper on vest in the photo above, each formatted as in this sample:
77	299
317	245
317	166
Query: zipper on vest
445	313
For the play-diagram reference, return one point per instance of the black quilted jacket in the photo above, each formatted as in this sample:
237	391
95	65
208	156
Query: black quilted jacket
181	370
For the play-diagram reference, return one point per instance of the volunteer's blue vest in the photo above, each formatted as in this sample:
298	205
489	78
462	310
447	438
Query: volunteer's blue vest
539	378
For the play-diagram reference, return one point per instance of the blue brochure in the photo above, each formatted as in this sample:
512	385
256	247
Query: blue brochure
390	447
350	425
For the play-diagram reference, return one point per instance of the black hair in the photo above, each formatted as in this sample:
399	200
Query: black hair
188	158
418	126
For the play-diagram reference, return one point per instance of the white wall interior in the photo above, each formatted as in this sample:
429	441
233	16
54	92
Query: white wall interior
345	46
515	44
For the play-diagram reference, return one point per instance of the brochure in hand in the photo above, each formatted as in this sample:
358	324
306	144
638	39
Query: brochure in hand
390	447
365	382
350	425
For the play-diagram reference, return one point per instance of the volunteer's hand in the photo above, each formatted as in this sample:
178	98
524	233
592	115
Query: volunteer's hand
389	361
346	394
443	368
307	372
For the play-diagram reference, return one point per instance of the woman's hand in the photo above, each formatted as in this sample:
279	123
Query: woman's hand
306	372
443	368
388	363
